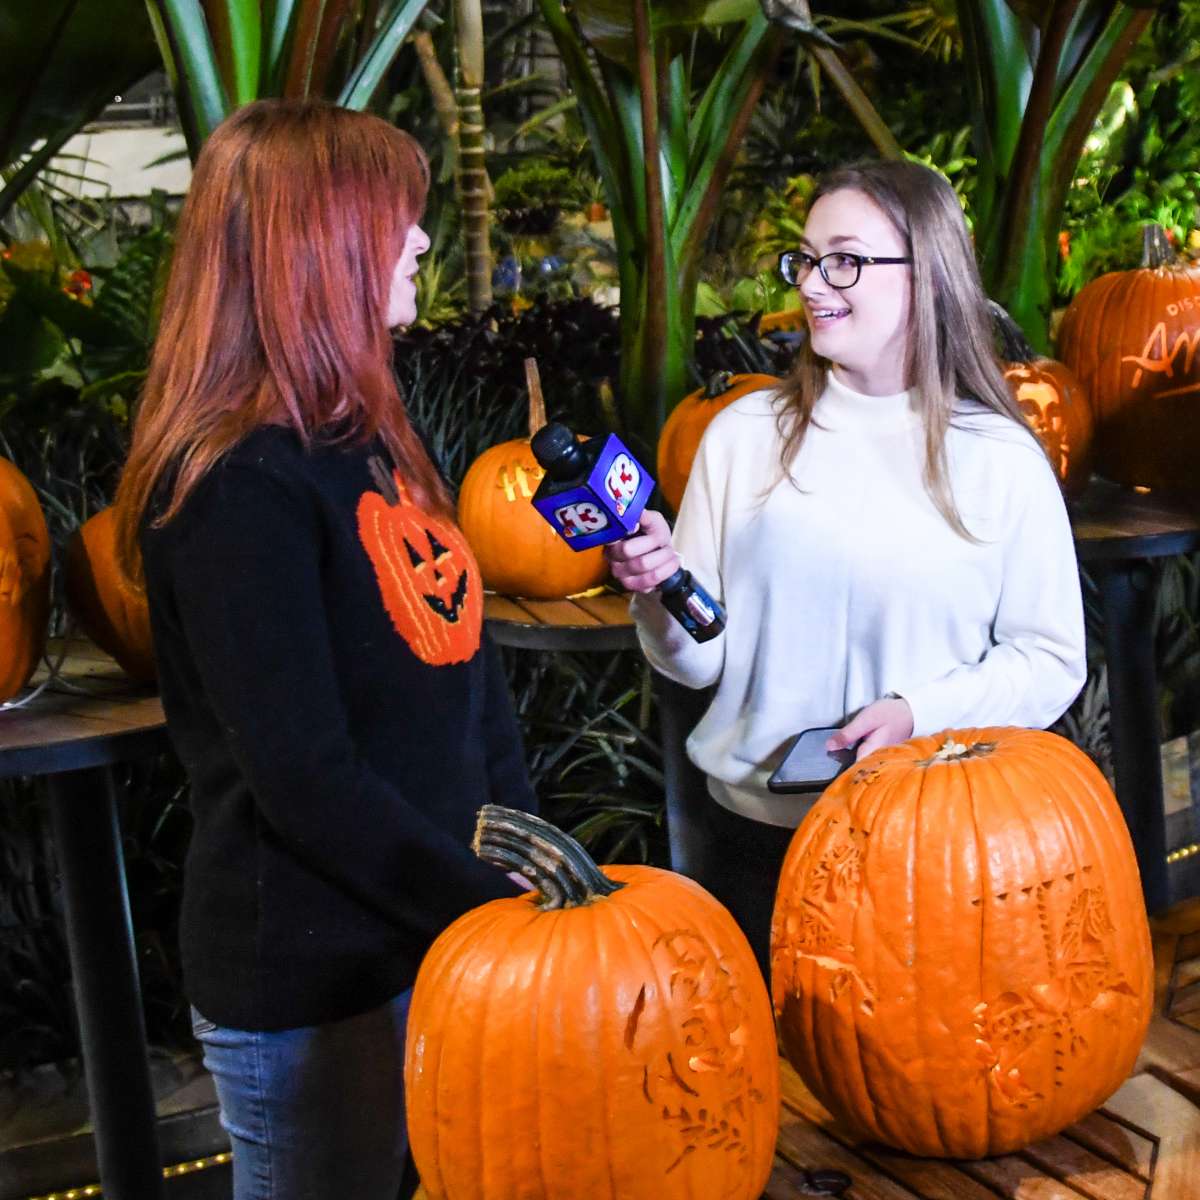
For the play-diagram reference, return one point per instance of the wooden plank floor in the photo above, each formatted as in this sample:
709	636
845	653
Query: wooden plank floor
1143	1144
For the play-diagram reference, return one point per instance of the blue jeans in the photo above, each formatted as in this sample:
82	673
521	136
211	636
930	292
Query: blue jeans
315	1113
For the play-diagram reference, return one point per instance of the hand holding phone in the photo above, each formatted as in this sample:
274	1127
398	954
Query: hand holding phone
808	766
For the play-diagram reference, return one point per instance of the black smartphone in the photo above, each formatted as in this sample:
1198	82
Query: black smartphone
808	766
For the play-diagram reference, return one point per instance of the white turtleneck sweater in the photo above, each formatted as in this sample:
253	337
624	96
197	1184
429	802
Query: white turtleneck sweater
851	585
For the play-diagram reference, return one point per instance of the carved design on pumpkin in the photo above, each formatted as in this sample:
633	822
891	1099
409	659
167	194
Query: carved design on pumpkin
1082	979
1049	422
820	927
427	576
706	1098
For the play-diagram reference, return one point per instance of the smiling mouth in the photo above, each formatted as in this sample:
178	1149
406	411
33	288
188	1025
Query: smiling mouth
826	316
450	611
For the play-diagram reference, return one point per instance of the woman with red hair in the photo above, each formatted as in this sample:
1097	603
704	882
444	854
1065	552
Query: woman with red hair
317	622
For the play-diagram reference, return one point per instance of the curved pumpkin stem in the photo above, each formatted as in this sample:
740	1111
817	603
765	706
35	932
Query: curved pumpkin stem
1014	345
1157	250
719	382
553	861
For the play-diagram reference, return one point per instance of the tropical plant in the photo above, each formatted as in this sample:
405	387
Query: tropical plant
61	64
220	54
931	910
1037	76
663	201
473	184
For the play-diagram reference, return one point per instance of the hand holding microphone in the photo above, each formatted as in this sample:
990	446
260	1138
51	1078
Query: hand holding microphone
595	493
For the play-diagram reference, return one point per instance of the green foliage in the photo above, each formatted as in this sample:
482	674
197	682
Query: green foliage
535	184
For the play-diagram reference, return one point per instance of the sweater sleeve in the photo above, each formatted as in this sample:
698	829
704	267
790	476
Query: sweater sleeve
247	590
697	538
1037	662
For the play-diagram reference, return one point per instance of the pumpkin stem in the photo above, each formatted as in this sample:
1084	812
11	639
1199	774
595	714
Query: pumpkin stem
952	751
1014	345
719	382
554	862
537	405
1157	250
383	480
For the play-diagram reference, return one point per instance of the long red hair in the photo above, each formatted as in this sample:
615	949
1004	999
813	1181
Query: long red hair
276	307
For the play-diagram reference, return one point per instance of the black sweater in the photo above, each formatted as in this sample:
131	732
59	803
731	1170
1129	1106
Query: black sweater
307	632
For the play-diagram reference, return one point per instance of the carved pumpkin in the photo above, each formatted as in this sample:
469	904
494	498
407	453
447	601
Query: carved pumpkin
960	956
519	553
24	580
427	576
1053	401
1132	339
111	608
680	436
607	1035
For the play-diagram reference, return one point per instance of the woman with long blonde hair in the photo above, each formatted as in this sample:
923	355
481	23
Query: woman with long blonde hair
317	623
908	566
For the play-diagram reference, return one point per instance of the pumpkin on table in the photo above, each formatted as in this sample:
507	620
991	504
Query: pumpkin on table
1133	340
24	580
608	1034
1053	401
110	607
683	429
960	955
519	554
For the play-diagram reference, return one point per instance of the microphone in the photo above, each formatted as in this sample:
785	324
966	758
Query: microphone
595	492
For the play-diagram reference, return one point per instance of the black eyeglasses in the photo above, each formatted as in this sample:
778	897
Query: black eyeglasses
839	269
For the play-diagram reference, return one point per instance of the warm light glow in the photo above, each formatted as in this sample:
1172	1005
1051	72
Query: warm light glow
93	1189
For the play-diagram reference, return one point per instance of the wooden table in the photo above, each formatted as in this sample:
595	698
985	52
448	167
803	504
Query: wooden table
73	740
1118	531
599	622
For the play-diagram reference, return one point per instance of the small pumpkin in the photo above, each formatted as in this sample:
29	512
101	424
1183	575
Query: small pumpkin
607	1035
110	607
1132	338
683	429
1053	401
427	576
519	554
960	955
24	580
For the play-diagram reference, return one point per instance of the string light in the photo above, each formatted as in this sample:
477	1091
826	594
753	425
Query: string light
186	1168
1183	852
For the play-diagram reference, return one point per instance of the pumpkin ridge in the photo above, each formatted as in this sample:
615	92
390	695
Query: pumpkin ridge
374	523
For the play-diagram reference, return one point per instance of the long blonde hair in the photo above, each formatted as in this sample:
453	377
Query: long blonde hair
951	350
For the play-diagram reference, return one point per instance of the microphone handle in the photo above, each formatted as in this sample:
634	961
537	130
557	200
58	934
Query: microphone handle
698	612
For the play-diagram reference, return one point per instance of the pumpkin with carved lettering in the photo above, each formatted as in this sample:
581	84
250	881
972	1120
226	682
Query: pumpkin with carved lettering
607	1034
683	429
427	577
24	580
960	955
111	608
519	553
1133	340
1053	402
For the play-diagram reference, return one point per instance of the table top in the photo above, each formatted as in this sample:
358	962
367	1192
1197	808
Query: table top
91	714
1113	522
585	622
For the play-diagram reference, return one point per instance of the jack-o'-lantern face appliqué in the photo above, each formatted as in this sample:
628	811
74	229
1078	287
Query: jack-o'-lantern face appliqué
427	576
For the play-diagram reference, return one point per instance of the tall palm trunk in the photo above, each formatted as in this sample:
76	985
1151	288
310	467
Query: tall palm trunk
472	172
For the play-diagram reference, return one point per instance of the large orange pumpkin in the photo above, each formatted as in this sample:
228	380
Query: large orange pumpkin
960	955
427	577
1132	339
1053	401
607	1035
111	608
24	580
681	433
519	553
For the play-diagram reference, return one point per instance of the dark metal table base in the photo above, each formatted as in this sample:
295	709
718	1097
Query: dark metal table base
83	809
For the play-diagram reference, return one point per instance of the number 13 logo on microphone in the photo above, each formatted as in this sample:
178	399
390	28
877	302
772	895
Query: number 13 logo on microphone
581	518
622	482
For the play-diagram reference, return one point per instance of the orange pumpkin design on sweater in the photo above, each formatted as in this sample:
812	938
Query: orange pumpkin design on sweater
427	576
